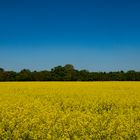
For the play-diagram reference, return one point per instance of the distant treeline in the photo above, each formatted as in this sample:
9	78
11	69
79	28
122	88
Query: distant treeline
68	73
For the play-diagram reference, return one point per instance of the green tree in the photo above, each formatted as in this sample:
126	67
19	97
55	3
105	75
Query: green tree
25	75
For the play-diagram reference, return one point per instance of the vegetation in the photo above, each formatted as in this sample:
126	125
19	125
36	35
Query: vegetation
69	110
68	73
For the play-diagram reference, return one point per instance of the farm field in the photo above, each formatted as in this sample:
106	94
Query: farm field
69	110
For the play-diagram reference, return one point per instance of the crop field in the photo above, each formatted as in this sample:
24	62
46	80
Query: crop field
69	110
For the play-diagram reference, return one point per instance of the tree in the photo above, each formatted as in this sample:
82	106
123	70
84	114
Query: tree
1	70
131	75
57	73
24	75
83	75
68	73
2	74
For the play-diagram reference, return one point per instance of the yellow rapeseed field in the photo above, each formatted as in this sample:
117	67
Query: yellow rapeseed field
69	110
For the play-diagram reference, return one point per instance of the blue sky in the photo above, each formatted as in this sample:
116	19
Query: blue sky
98	35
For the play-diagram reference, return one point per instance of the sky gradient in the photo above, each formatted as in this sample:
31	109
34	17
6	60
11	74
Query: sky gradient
98	35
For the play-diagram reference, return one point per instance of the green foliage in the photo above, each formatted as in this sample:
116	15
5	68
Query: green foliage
68	73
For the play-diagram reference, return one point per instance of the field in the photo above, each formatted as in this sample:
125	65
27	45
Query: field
69	110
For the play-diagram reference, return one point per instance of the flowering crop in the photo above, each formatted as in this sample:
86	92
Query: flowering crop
69	110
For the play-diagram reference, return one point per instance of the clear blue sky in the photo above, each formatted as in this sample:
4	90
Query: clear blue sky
98	35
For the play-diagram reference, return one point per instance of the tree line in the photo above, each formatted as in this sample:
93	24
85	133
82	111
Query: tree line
68	73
